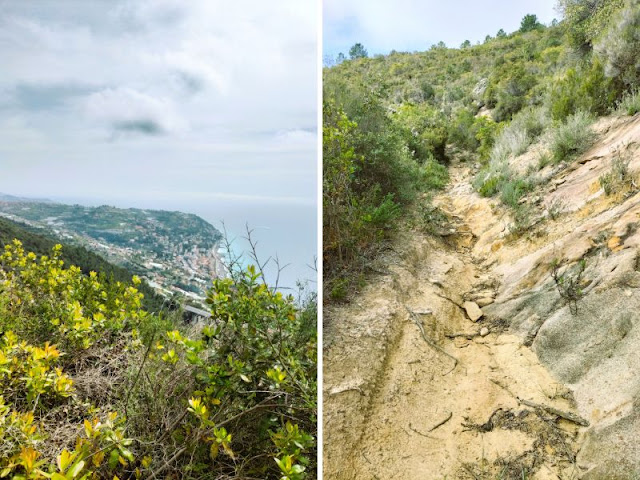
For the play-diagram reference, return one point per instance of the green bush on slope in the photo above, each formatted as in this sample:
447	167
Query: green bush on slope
122	393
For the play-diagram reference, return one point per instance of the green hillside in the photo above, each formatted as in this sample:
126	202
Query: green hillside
392	123
34	241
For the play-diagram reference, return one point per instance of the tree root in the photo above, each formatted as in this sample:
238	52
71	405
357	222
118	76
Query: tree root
430	342
572	417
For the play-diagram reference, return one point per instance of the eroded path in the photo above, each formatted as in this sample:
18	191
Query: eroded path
413	388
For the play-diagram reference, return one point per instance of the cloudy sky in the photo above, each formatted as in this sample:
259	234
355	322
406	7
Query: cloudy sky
131	100
203	106
410	25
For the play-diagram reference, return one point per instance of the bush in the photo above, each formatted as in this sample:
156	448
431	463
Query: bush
619	178
513	189
488	180
511	92
586	88
585	20
369	174
216	402
572	137
620	44
569	283
424	130
629	104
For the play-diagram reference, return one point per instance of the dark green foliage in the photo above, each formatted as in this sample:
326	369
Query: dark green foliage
513	88
424	130
583	88
513	190
530	22
586	20
358	51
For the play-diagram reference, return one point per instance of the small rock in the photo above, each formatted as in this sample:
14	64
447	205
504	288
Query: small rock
473	311
484	301
484	331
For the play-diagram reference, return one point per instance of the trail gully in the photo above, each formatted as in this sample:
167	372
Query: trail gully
418	385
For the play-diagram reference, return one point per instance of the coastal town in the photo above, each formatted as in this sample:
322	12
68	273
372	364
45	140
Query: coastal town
175	252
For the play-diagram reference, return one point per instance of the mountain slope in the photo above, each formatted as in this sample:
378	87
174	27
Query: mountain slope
176	252
35	241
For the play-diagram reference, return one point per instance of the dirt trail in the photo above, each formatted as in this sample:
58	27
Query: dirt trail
414	389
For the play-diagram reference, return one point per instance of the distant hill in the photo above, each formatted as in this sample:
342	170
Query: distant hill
40	244
175	252
11	198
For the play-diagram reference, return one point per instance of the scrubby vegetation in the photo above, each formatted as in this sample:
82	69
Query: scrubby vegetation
36	242
393	123
93	386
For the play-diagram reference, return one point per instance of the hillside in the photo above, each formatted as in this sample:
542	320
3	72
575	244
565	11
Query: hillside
173	251
491	331
76	255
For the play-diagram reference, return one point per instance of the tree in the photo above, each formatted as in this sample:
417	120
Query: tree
340	58
529	23
501	33
488	38
618	46
465	44
586	20
358	51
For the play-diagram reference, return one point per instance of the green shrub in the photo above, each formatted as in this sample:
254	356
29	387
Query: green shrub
487	132
585	20
424	130
619	46
586	88
629	104
113	404
513	189
514	85
618	178
572	137
522	220
569	283
488	180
